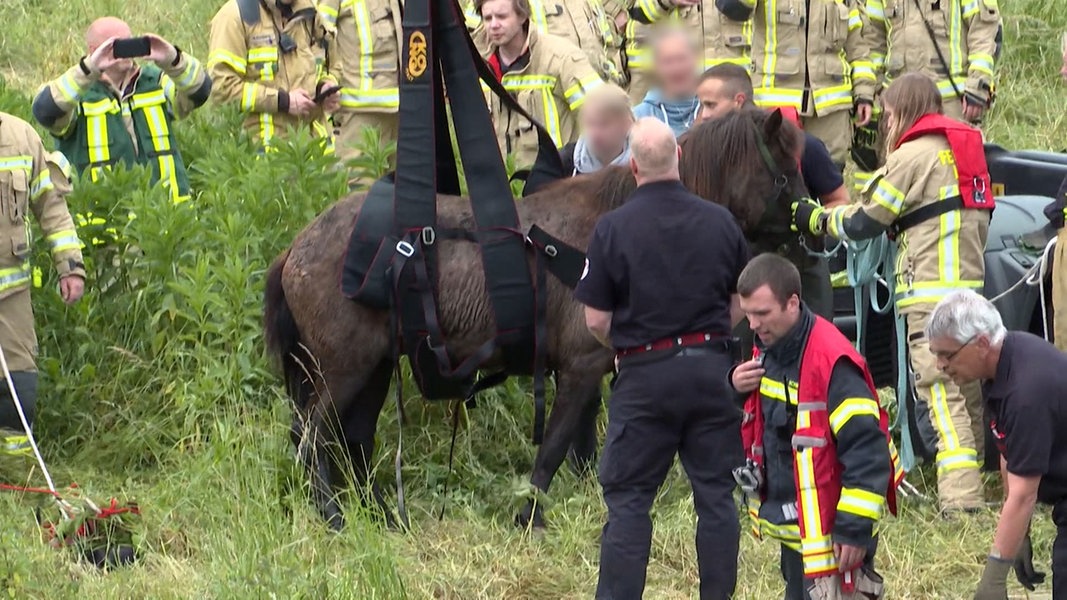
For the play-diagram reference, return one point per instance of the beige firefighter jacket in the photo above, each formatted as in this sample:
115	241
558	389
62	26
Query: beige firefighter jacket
588	24
366	33
966	32
724	40
258	65
809	54
32	181
551	87
935	257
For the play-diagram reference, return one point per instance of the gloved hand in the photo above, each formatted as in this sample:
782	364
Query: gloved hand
808	217
994	582
1024	566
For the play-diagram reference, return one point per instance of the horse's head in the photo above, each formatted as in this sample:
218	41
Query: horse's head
744	161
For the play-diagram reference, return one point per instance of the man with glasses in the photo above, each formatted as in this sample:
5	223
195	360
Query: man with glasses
1023	381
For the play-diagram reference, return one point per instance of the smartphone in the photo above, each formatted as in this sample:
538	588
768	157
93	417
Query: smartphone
131	47
325	93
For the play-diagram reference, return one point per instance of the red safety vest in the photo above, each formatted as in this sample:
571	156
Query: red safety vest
968	151
817	472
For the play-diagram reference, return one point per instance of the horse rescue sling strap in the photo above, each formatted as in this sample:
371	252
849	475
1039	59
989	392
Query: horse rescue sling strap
972	172
392	257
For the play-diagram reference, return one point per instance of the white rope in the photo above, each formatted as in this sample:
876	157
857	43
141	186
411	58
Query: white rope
1034	277
67	509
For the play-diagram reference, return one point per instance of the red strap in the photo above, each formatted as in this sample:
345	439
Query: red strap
968	152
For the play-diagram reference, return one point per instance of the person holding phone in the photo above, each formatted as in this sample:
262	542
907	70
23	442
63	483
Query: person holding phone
111	108
276	62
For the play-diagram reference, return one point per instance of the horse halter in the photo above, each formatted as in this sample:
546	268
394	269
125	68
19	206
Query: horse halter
781	178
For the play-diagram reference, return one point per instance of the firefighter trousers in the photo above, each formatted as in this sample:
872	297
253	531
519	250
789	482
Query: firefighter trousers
835	130
792	567
349	128
1059	291
955	415
672	406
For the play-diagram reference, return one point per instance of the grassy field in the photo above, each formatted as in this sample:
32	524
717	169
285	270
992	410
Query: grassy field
155	388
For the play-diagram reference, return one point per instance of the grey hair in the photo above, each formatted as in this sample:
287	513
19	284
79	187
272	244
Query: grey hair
963	316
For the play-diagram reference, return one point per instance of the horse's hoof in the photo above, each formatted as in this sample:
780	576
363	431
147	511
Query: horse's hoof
531	518
335	522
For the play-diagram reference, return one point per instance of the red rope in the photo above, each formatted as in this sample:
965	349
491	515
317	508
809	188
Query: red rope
29	490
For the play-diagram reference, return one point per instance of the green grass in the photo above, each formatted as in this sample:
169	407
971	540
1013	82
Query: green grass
156	389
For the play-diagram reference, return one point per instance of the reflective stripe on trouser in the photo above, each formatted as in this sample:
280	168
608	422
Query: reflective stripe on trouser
1059	291
956	415
835	130
13	439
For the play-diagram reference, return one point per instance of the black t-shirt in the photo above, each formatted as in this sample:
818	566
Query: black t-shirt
665	263
821	175
1028	405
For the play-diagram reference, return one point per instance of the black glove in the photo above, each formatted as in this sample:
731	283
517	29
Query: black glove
809	217
1024	566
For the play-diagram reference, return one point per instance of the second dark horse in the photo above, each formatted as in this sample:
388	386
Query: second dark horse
311	328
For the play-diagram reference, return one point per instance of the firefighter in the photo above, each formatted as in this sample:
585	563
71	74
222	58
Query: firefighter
722	40
810	55
821	466
668	317
545	74
104	109
31	181
271	59
1056	213
367	35
588	24
954	42
933	198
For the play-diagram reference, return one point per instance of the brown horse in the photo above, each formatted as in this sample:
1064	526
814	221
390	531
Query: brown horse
336	354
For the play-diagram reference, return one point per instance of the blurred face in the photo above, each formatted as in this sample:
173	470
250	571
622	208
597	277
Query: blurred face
605	132
501	22
767	317
676	67
716	101
962	362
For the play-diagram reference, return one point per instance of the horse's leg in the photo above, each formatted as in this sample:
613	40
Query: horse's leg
574	390
313	452
582	454
360	425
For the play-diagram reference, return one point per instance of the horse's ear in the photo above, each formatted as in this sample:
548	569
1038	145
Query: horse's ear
773	123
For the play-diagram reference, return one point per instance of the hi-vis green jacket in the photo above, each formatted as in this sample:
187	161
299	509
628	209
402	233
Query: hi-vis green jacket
588	24
724	40
33	182
966	32
814	45
366	34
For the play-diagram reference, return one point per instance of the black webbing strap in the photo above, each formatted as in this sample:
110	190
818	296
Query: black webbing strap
548	158
922	214
937	49
564	261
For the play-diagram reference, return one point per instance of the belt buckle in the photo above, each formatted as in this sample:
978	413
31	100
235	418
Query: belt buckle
405	249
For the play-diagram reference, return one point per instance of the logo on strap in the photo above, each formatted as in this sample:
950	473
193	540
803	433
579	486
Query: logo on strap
416	55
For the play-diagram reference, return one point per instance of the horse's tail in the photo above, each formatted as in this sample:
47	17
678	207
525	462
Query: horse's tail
283	336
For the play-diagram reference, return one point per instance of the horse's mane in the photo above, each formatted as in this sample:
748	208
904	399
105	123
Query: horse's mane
606	189
721	161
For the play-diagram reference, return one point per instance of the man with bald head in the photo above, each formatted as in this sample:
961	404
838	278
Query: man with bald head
109	109
659	288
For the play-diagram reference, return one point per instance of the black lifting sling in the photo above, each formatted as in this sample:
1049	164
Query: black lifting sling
438	54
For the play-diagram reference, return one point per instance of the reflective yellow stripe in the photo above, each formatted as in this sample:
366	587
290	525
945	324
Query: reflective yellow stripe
652	9
16	445
970	8
953	460
875	10
862	69
768	97
981	62
816	549
849	408
96	130
160	132
63	240
861	503
888	196
854	21
355	98
328	14
948	248
266	127
249	91
575	94
22	162
14	277
189	75
146	99
930	291
840	95
955	38
263	54
41	185
775	390
69	88
770	53
220	55
366	44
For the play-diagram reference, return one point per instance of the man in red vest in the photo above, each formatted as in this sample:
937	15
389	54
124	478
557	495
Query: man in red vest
821	467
